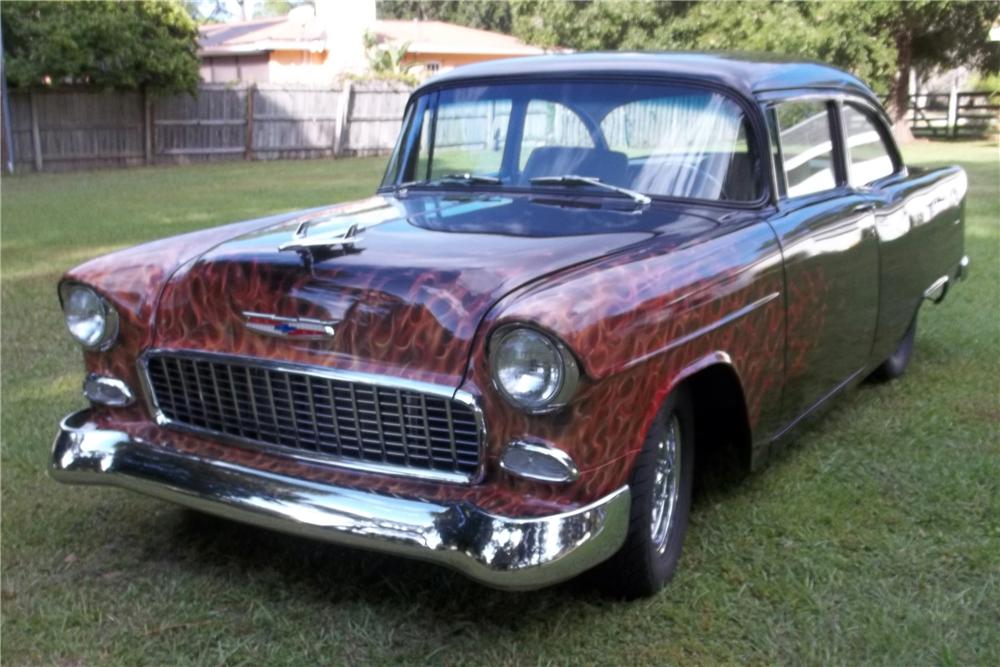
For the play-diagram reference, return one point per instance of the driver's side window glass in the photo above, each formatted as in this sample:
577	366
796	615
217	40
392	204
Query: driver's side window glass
551	124
806	137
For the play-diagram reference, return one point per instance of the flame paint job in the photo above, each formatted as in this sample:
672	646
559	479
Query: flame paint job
796	300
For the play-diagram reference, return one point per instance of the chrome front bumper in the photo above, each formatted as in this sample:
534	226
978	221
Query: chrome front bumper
509	553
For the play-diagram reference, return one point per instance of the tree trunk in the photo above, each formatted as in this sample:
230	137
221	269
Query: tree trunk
899	97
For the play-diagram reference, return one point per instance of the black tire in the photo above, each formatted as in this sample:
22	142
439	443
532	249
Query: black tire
895	366
640	568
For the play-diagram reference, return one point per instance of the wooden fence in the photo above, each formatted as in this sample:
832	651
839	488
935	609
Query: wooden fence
954	114
58	130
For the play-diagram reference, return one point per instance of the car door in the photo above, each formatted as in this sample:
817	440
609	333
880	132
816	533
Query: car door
917	218
830	253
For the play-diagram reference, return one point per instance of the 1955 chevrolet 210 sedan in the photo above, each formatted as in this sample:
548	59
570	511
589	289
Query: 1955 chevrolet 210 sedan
581	278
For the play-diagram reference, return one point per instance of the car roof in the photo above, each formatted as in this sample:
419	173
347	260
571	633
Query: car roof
747	74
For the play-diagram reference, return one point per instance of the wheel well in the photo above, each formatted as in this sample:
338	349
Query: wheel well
722	427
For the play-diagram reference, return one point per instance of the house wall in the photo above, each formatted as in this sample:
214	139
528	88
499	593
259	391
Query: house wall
446	61
299	67
249	68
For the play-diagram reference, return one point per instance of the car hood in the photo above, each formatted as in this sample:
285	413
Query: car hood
407	299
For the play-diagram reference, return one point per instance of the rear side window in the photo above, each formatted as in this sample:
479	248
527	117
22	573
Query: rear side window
870	158
806	146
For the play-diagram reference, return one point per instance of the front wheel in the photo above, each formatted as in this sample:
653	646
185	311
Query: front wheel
661	502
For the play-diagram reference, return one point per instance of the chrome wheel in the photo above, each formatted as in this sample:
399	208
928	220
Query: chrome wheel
666	485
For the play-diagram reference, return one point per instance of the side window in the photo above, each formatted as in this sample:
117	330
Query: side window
870	158
806	144
552	124
423	145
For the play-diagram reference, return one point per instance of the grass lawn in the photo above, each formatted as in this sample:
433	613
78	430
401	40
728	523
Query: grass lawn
874	538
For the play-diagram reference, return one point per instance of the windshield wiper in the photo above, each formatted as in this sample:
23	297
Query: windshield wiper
470	178
466	178
572	179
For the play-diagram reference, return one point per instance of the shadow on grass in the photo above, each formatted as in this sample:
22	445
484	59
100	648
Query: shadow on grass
328	574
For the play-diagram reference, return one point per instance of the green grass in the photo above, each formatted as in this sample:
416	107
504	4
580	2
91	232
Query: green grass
875	538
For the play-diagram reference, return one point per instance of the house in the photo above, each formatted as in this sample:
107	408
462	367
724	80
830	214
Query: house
436	46
322	43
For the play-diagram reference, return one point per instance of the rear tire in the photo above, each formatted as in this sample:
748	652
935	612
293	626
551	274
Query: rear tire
661	503
895	366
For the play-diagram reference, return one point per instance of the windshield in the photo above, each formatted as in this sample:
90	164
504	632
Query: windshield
660	140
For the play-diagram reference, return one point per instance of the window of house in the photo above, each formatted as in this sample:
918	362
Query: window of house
432	67
869	157
806	144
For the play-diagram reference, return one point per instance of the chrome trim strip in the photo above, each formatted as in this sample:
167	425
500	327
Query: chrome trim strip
571	472
726	319
354	377
937	291
127	397
503	552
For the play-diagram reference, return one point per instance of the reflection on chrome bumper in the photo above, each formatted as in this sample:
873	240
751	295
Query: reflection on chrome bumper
503	552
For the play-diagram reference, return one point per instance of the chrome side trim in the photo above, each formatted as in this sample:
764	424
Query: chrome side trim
517	459
94	383
937	291
726	319
329	374
503	552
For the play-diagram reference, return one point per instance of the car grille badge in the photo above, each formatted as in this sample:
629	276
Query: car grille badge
299	328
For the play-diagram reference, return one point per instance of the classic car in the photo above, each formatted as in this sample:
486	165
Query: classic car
582	277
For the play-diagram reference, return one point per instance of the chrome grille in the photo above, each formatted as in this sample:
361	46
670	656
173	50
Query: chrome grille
318	415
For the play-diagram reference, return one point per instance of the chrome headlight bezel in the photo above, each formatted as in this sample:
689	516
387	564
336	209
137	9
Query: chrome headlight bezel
569	370
109	330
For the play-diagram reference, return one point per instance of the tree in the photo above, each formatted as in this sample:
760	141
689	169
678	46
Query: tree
880	41
930	35
388	62
147	45
595	25
482	14
279	7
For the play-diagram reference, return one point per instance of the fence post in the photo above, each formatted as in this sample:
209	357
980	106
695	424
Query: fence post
341	126
248	153
36	135
953	109
147	126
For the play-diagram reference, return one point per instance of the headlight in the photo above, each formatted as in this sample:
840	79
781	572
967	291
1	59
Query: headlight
91	320
534	371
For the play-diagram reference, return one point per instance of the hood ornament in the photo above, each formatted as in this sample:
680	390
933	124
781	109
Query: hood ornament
308	247
299	328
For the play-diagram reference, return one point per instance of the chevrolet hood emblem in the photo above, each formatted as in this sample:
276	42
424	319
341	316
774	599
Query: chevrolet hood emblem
300	328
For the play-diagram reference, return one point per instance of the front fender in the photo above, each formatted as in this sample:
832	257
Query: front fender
640	322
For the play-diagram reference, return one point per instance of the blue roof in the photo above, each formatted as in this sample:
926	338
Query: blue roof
747	74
